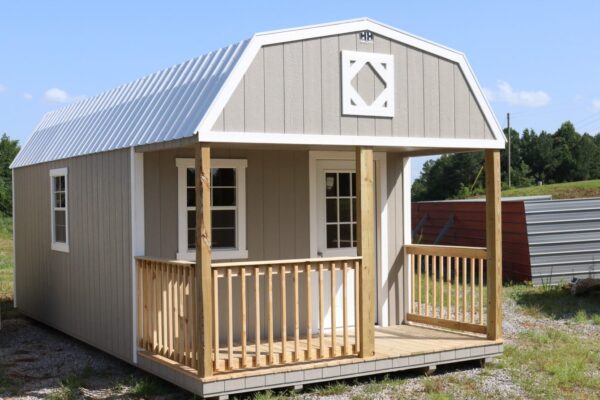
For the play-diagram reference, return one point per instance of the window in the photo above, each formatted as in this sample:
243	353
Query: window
228	209
59	209
340	209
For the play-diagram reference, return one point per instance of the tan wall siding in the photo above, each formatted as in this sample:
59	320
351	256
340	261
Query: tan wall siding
395	278
85	293
295	88
276	202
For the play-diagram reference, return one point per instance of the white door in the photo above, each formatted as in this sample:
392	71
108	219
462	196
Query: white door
336	229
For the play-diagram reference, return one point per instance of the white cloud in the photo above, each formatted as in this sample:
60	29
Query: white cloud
27	96
505	93
596	105
2	88
56	95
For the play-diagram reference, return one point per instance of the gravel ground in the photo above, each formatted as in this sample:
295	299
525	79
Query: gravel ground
36	362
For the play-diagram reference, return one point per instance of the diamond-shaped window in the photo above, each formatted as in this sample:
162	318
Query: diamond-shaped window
367	73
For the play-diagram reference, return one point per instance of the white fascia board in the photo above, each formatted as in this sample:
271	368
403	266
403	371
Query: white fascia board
337	28
337	140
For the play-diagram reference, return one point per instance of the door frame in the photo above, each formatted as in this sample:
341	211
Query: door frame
380	159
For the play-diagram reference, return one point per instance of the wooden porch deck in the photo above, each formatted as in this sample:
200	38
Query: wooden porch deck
396	348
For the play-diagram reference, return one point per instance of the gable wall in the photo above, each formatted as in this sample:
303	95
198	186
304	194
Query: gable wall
295	88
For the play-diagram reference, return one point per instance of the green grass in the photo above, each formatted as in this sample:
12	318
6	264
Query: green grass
556	302
569	190
554	364
6	258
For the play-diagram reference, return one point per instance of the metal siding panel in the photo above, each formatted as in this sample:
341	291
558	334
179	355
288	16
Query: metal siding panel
274	95
461	105
431	86
446	82
348	124
400	120
311	60
416	117
330	78
254	95
293	87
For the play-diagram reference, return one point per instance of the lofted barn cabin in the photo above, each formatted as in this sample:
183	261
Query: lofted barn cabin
242	221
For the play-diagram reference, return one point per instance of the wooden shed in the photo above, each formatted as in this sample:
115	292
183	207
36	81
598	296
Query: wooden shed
241	221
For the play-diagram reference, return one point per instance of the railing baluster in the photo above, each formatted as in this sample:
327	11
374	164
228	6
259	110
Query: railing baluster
472	265
333	350
229	319
413	293
296	316
464	280
257	360
345	307
321	313
481	291
308	312
215	299
434	279
271	358
283	357
442	286
449	277
457	287
192	319
427	285
242	273
420	300
356	307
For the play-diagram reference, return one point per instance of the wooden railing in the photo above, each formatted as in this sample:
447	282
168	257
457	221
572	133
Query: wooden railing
166	309
264	313
448	287
273	289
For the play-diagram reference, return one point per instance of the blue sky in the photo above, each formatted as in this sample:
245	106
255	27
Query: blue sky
538	60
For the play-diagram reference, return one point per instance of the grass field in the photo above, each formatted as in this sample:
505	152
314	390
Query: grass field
6	267
569	190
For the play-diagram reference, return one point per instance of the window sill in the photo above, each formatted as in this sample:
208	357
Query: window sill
62	247
216	255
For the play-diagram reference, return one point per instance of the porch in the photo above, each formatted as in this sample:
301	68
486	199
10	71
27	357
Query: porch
209	325
397	348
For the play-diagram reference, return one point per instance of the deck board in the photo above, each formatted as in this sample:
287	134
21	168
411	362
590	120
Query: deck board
390	342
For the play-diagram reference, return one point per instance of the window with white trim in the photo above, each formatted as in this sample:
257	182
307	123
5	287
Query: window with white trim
59	202
228	209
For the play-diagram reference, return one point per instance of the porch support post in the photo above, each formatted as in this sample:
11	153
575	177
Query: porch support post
365	203
204	318
493	225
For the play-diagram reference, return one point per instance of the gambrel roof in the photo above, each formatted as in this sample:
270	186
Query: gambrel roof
187	99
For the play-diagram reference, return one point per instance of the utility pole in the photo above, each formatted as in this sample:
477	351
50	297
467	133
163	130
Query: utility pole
509	147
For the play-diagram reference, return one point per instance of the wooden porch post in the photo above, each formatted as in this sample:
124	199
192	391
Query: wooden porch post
204	319
365	202
493	224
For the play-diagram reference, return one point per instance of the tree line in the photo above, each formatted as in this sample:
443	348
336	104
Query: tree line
8	151
562	156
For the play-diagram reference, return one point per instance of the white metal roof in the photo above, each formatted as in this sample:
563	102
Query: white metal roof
187	98
163	106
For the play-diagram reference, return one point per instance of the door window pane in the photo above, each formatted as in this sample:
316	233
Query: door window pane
340	209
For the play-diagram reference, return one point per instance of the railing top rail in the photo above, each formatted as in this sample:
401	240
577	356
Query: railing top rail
166	260
451	251
284	262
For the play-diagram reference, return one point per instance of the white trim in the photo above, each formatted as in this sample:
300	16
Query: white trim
14	230
346	140
138	246
54	245
380	159
336	28
352	102
407	228
241	252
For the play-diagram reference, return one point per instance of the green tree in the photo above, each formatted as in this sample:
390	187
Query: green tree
8	151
